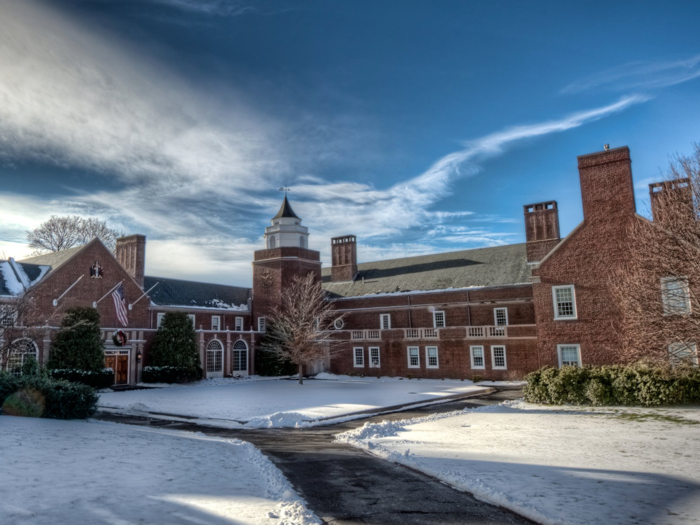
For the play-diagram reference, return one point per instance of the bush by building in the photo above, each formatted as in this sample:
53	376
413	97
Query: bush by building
175	346
170	374
270	365
638	384
78	343
96	379
61	399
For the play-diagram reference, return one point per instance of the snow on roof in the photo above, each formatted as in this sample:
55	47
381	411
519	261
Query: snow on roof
16	277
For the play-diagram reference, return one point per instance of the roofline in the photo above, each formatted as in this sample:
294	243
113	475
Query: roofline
197	282
379	295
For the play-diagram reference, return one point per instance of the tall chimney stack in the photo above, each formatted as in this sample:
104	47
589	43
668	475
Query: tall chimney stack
607	191
131	254
344	258
672	199
541	229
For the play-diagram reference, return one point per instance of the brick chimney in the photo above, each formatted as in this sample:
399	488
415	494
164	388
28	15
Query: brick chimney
131	254
676	194
606	185
344	258
541	229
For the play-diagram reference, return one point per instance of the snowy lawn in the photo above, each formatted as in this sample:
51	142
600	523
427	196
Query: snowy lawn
282	403
68	472
557	465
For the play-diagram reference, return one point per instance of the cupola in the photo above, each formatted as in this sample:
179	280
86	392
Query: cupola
286	229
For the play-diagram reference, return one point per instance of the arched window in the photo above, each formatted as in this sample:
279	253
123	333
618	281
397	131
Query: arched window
240	357
20	351
271	242
215	357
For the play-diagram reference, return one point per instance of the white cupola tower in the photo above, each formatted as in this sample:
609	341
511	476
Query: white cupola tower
286	229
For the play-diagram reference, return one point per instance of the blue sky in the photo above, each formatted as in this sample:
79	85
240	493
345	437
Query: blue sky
418	126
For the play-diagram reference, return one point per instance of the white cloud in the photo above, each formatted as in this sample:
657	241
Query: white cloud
640	76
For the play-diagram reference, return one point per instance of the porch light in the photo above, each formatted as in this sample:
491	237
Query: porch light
138	357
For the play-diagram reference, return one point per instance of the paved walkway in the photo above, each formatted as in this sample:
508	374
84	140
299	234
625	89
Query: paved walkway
345	485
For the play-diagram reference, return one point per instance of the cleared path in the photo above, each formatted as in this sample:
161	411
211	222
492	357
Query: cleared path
344	485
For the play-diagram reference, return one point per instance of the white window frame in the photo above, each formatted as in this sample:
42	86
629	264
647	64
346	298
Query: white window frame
361	355
385	321
417	356
427	357
159	319
483	357
495	316
558	317
261	324
379	357
218	322
578	351
338	324
669	307
192	318
8	316
238	324
692	349
444	319
493	358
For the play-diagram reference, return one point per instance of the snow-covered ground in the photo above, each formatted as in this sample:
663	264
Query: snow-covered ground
68	472
557	465
282	403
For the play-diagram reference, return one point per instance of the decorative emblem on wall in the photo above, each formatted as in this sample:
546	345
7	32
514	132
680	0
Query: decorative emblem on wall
266	278
96	271
119	338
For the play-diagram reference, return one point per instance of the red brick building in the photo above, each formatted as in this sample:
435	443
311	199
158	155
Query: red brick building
495	312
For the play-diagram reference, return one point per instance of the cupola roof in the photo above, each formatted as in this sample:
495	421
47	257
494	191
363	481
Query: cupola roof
286	211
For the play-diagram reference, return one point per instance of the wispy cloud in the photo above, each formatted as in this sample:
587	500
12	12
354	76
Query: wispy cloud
221	7
640	76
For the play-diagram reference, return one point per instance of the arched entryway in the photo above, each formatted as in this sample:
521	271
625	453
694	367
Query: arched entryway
240	358
215	359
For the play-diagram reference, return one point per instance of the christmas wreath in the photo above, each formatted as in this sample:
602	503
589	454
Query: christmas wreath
119	338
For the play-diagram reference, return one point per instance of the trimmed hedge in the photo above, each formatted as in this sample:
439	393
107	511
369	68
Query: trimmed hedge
61	399
171	374
637	384
102	379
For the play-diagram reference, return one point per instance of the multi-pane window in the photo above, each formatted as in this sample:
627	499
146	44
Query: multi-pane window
477	353
385	321
569	355
439	319
683	353
413	357
261	324
20	351
498	357
239	324
374	357
564	302
215	322
431	357
215	354
358	356
675	295
191	317
500	316
8	316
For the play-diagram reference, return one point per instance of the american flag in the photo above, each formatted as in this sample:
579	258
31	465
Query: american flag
120	305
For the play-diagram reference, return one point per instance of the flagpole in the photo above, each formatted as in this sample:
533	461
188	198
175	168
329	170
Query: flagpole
55	301
94	305
144	294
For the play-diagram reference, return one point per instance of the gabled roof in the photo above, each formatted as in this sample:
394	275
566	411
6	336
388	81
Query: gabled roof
481	267
286	211
54	259
176	292
16	277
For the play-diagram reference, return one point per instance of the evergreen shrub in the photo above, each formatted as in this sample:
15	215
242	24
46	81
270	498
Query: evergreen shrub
26	403
8	385
637	384
61	399
78	343
174	352
96	379
269	365
171	374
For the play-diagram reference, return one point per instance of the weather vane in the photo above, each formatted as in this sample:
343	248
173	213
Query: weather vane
285	189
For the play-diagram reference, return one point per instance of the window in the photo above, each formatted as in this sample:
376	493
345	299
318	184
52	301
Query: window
569	355
683	353
439	319
374	357
20	352
385	322
239	324
413	357
302	242
498	357
215	322
564	302
477	357
359	355
271	242
191	316
240	357
159	319
500	316
261	324
8	317
431	357
215	355
338	324
675	295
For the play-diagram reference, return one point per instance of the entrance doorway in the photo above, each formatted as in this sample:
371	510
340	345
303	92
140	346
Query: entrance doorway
118	360
240	358
215	359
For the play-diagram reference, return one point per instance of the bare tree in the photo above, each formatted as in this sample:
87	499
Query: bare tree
61	233
657	289
300	327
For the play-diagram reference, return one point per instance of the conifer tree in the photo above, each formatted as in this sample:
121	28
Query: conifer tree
174	343
78	343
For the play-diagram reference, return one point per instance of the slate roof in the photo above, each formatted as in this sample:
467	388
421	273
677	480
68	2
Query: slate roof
175	292
286	211
481	267
54	259
15	276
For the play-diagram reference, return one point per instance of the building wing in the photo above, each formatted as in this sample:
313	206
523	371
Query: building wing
192	294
